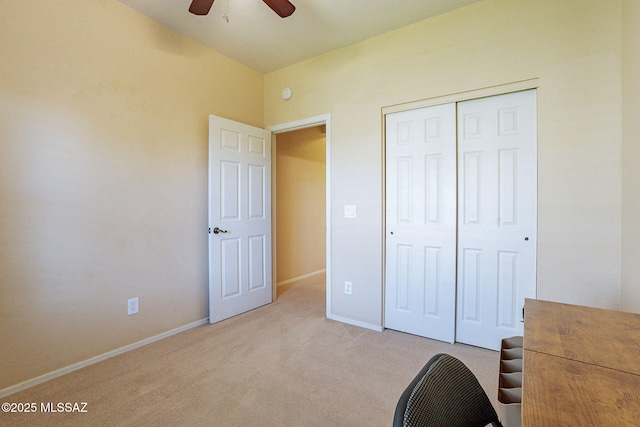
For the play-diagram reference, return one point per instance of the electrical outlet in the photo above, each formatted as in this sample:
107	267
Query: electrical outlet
132	306
347	288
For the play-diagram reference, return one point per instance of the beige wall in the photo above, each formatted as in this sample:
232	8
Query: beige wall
631	156
103	178
572	46
300	203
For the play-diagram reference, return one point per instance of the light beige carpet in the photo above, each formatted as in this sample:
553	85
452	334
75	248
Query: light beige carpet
284	364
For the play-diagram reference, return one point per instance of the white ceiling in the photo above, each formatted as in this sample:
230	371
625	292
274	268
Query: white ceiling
257	37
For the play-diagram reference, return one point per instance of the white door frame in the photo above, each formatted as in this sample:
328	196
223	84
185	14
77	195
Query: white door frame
324	119
455	97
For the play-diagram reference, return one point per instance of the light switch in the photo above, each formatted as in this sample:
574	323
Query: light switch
349	211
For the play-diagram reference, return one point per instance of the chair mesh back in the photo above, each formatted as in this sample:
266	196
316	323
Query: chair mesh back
448	395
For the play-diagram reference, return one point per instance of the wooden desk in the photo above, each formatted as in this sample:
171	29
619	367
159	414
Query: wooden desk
581	366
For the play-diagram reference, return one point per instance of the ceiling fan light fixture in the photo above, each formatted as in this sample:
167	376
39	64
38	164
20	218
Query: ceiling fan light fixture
283	8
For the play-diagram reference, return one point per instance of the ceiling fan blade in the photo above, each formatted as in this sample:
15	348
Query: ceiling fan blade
200	7
283	8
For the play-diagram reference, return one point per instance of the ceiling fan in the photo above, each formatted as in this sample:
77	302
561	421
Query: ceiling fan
283	8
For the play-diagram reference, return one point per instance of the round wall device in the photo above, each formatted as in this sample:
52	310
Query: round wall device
286	94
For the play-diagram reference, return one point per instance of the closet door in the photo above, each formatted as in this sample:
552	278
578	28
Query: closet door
497	176
421	222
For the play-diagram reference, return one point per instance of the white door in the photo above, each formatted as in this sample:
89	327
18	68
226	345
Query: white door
420	285
497	175
239	218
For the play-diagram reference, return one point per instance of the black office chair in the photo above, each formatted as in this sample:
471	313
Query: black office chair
445	393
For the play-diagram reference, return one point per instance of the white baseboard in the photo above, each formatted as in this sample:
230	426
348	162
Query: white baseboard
51	375
304	276
356	323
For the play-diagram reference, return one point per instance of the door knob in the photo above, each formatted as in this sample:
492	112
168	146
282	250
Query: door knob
219	230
